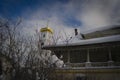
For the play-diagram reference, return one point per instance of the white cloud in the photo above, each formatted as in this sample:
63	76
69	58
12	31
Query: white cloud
91	13
98	13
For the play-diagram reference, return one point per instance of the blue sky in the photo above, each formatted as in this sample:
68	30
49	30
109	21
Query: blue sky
13	8
62	14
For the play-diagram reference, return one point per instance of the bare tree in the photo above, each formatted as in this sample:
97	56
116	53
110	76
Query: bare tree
56	37
66	37
28	60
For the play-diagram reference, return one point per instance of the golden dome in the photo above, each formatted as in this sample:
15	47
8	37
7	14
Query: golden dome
46	29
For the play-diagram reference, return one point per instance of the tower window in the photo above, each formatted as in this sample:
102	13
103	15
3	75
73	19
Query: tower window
43	35
42	44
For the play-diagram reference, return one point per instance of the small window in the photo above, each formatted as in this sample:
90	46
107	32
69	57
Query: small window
43	35
42	44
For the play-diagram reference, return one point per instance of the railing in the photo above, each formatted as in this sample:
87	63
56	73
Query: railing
99	64
94	64
75	64
117	63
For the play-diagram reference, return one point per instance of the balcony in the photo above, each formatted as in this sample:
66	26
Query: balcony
94	65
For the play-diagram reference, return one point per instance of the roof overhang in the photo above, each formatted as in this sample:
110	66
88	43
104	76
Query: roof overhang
90	43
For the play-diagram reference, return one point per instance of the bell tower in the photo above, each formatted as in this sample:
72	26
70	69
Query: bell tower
46	35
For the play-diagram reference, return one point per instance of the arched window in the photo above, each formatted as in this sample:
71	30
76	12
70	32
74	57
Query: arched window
42	44
43	35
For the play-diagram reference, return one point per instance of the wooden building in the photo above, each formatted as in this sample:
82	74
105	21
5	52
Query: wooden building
91	58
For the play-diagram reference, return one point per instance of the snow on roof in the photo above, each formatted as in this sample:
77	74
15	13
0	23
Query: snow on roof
101	29
112	38
78	40
98	40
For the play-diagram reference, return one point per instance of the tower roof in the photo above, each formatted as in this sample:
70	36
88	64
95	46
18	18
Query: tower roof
46	29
